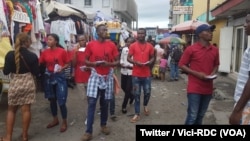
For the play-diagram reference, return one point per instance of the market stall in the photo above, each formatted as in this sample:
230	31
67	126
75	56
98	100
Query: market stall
118	31
18	16
65	21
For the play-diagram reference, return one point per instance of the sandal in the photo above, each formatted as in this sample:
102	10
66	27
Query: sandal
63	128
2	139
146	112
25	139
52	124
135	119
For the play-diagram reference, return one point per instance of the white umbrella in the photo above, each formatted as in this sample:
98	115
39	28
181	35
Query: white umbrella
187	26
62	10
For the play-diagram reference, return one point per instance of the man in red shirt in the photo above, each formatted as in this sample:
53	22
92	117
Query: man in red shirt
102	55
141	55
201	62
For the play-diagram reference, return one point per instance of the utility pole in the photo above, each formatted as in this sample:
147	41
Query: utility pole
208	10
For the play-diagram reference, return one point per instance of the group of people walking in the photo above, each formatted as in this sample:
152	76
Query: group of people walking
94	65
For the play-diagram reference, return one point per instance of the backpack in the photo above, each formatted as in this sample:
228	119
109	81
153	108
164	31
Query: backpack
177	53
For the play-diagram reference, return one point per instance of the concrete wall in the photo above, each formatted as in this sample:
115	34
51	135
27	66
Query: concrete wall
200	12
200	6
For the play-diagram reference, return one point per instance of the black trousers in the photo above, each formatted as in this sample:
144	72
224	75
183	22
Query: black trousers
126	85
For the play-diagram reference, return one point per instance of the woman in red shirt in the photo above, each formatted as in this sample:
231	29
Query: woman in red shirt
56	60
81	72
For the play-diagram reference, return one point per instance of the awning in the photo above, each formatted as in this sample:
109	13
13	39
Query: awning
231	8
90	15
62	10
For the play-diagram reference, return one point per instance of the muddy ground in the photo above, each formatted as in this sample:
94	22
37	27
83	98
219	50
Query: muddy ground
167	107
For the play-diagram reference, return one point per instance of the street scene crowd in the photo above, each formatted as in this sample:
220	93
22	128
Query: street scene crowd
92	66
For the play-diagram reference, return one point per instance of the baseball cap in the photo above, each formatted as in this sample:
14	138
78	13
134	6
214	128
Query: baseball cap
204	27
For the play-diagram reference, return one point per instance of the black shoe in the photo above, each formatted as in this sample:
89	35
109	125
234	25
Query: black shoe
70	85
131	101
113	117
124	111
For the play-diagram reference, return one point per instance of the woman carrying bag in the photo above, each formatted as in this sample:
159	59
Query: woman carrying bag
22	65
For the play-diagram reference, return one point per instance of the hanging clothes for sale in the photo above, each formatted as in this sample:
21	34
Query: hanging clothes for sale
64	29
5	45
24	16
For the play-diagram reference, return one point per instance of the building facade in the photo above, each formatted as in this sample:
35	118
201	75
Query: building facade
229	35
202	12
233	40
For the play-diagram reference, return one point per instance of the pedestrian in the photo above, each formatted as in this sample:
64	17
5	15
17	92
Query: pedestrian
22	65
241	110
159	52
141	55
81	72
153	43
201	62
56	60
176	53
163	67
102	55
126	75
111	104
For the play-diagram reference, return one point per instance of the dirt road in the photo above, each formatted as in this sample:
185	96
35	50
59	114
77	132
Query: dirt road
167	106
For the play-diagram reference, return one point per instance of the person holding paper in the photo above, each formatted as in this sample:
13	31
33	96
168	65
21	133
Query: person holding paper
200	61
56	61
81	72
126	75
102	55
141	55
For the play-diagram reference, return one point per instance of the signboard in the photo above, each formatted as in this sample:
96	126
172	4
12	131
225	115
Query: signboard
182	9
20	17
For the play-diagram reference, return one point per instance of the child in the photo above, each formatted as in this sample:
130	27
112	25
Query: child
163	66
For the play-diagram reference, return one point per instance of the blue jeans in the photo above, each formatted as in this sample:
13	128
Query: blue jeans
53	108
54	103
112	105
174	71
197	107
92	107
138	84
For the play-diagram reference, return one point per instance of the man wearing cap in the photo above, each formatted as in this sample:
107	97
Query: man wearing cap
201	62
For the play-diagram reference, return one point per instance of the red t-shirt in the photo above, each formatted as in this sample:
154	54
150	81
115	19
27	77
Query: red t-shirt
70	54
101	51
81	76
52	56
200	59
141	53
